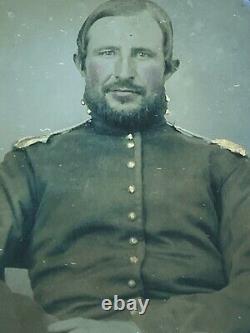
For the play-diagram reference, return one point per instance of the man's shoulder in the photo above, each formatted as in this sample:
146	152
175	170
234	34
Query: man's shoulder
214	144
29	141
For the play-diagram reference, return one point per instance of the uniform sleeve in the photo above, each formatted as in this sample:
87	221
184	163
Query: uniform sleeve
226	310
17	208
18	314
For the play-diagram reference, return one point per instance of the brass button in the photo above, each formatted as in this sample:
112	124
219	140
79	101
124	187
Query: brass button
132	216
131	283
133	260
133	241
131	189
130	145
130	136
131	164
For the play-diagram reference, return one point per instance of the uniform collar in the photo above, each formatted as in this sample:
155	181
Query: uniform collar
103	127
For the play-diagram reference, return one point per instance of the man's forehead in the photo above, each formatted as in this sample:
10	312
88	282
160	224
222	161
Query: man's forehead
138	29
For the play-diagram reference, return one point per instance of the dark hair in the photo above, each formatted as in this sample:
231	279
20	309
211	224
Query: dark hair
128	8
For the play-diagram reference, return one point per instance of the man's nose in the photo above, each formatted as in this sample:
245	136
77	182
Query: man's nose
124	68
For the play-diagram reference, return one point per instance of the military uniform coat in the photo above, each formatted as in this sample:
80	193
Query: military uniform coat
95	212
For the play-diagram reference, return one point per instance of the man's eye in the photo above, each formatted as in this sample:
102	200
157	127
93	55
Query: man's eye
143	54
107	53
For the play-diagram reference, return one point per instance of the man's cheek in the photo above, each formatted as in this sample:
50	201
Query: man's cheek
153	78
96	72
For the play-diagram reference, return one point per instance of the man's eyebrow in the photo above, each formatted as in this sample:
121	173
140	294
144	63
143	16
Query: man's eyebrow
143	49
134	49
105	47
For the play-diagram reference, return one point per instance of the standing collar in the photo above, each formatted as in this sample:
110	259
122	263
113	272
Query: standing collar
103	127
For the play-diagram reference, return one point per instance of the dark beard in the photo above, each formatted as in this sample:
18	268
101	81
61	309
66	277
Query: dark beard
151	111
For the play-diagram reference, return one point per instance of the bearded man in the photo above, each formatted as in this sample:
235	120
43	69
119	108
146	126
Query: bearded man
126	204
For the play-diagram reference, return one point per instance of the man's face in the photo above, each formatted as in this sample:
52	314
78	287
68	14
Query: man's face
124	68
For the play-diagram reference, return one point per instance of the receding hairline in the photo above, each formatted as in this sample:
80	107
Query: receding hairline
131	27
126	8
113	8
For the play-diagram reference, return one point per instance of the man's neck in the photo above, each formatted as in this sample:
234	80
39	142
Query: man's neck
105	126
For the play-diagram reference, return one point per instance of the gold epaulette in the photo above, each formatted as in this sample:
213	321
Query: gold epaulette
30	140
229	145
223	143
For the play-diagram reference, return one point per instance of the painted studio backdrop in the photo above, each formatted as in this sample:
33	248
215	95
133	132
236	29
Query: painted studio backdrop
40	88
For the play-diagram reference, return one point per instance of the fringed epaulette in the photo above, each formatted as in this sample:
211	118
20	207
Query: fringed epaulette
223	143
229	145
31	140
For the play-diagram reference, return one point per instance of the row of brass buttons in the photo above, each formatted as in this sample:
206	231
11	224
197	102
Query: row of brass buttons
132	215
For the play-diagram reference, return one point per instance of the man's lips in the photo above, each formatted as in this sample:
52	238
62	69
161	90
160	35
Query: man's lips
124	91
124	95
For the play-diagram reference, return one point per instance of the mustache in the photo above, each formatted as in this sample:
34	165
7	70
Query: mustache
124	85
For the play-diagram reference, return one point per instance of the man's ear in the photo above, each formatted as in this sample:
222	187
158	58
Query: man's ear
170	68
78	64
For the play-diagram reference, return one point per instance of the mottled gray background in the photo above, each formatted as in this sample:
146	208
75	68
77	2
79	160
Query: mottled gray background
40	89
